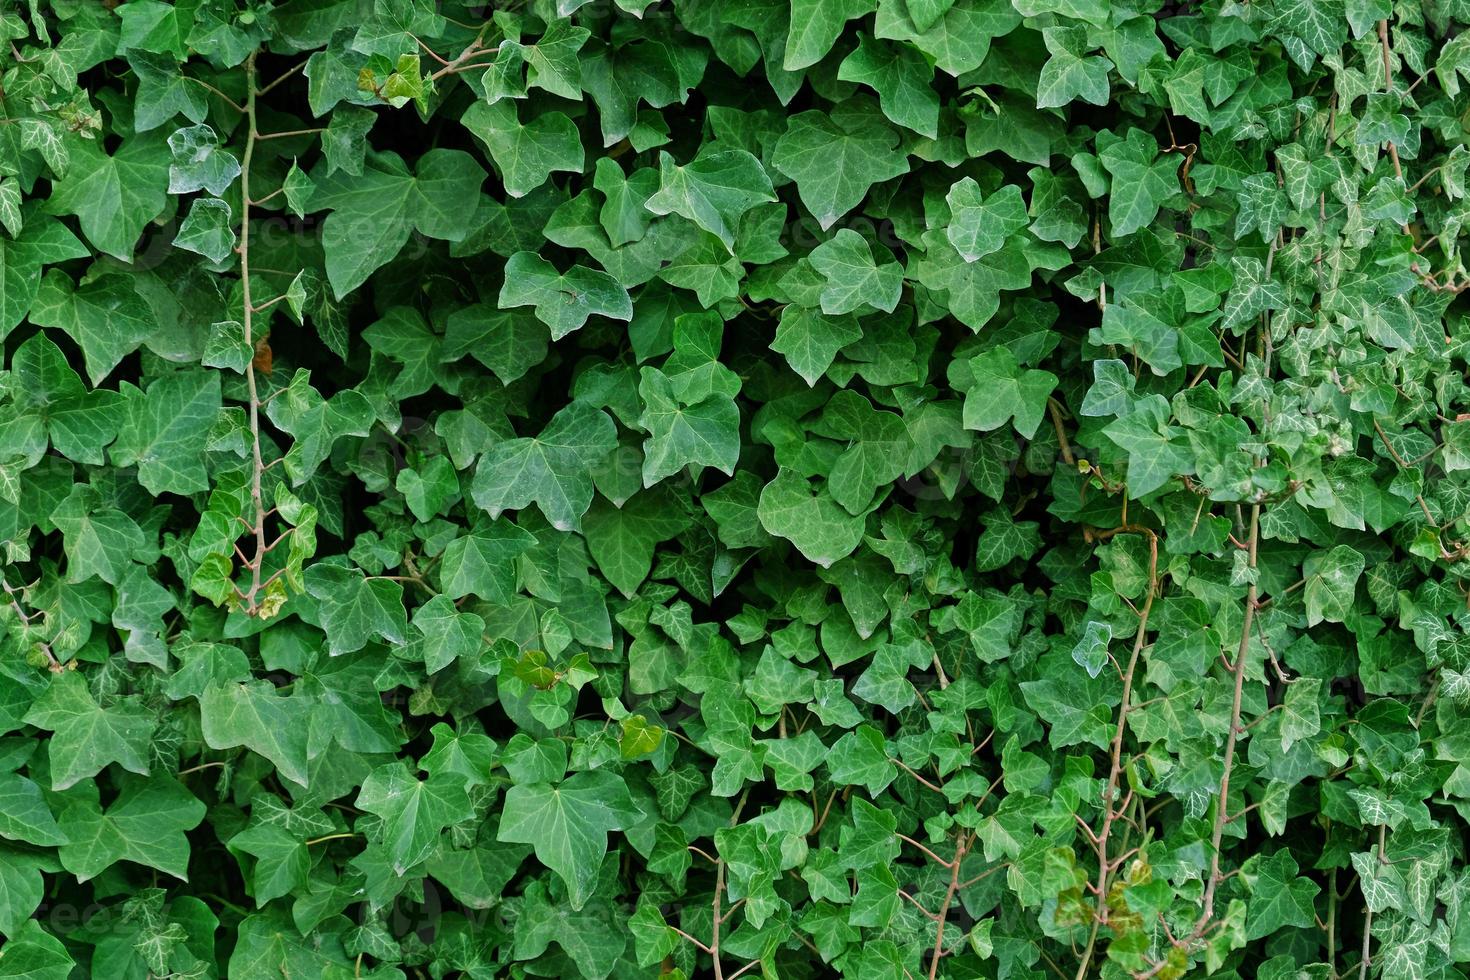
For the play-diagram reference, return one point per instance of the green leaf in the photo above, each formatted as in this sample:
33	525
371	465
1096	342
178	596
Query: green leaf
568	825
281	860
550	470
199	163
834	160
448	635
207	230
374	213
525	154
956	38
681	434
24	815
165	431
1091	652
1280	896
563	300
107	317
815	25
414	812
253	716
810	340
713	190
355	609
31	953
551	62
481	563
1071	73
1331	582
813	521
1156	452
86	736
998	390
980	224
855	281
42	240
145	825
901	76
622	539
80	423
1142	181
99	540
114	196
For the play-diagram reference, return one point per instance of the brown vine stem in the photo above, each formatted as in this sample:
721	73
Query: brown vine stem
52	664
251	599
1111	813
714	943
1233	734
470	52
954	883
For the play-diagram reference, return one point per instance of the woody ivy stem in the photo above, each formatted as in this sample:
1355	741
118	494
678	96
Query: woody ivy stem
250	600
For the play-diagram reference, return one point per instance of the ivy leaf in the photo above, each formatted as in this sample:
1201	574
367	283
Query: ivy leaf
99	540
165	431
107	317
526	154
972	289
1142	181
568	825
622	539
1280	896
252	715
998	390
1155	453
1332	578
956	36
145	825
1253	292
316	423
414	812
509	343
680	434
86	736
1091	652
815	25
24	815
207	230
901	76
1071	73
980	224
877	449
448	635
551	62
114	196
810	340
281	860
552	469
354	608
481	563
199	163
713	190
42	240
374	213
813	521
835	159
79	423
563	300
854	279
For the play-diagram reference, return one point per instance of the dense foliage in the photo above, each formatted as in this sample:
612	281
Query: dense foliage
878	488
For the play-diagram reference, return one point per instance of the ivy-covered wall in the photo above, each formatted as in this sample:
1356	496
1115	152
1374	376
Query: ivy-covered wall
714	488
